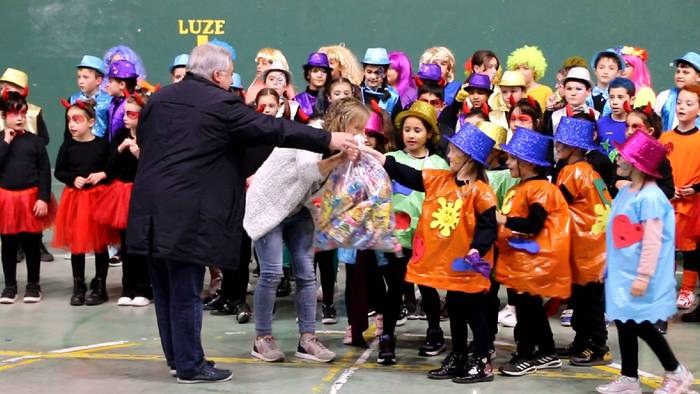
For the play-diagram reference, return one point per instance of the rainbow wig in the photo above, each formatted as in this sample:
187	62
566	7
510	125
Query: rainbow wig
637	59
530	55
404	79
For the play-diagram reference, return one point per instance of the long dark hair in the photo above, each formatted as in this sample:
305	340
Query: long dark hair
529	106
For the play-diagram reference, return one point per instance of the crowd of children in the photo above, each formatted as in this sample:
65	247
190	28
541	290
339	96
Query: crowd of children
581	194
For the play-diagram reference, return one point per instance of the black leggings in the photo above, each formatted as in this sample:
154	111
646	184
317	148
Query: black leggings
234	285
394	273
431	305
691	260
532	332
588	320
136	281
629	347
77	262
31	243
469	308
327	271
492	311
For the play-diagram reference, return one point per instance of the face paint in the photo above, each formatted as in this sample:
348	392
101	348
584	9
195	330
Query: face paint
133	114
78	118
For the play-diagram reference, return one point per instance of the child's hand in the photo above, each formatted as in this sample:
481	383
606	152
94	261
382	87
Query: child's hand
79	182
639	287
9	135
96	177
685	191
374	153
501	218
127	143
135	150
40	209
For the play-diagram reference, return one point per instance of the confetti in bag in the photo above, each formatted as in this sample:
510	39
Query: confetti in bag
354	208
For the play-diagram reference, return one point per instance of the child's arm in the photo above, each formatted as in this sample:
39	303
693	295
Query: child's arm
532	224
651	248
405	175
61	171
486	231
7	138
666	183
325	166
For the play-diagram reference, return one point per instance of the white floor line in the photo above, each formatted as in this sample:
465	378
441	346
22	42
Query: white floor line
87	347
15	359
330	332
345	376
639	371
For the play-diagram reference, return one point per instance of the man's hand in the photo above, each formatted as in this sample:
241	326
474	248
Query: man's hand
342	141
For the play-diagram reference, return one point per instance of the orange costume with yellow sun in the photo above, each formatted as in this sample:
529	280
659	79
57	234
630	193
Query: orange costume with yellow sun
546	272
445	231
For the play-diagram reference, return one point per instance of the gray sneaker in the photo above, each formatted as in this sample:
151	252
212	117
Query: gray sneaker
266	349
621	385
311	348
676	382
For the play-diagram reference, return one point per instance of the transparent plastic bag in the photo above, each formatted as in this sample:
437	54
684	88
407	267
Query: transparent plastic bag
354	208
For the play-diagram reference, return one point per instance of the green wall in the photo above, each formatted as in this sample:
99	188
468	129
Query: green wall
47	38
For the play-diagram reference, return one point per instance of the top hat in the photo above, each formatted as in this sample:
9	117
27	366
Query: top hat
421	110
497	133
376	56
92	62
317	59
575	132
479	81
429	72
122	69
472	141
644	152
530	146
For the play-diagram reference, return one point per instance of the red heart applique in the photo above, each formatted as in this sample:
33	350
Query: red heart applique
625	233
403	220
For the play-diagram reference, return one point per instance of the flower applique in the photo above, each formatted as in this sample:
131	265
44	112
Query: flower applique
447	216
602	213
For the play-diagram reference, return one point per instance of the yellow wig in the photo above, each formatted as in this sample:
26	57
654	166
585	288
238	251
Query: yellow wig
431	55
349	66
530	55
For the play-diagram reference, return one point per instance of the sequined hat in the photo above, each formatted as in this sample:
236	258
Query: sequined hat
122	69
317	59
495	132
376	56
479	81
472	141
92	62
421	110
429	72
575	132
644	152
530	146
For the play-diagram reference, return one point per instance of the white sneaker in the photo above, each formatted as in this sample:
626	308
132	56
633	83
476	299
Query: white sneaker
347	338
266	349
507	316
686	298
621	385
125	301
565	318
676	382
140	301
311	348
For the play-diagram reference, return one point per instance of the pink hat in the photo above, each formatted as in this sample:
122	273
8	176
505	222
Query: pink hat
375	125
643	152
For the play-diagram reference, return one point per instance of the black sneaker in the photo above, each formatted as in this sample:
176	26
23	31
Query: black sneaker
387	350
518	366
45	256
452	366
548	361
434	343
569	350
491	354
371	312
208	374
242	312
477	370
592	356
32	293
9	295
402	318
226	308
79	289
215	302
173	369
285	287
661	326
328	314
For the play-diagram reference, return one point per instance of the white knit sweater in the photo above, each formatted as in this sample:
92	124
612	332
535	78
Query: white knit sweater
279	188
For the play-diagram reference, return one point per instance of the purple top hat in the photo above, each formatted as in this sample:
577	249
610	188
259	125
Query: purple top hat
643	152
317	59
575	132
479	81
122	69
430	72
472	141
530	146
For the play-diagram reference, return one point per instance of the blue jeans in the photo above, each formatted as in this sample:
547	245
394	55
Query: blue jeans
176	293
297	232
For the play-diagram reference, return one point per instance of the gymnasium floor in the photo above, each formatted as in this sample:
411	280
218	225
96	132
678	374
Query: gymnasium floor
55	348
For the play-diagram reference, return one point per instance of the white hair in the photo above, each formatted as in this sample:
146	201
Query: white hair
206	59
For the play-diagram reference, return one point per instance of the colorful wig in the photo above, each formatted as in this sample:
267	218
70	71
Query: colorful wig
637	58
431	55
349	66
404	78
123	52
530	55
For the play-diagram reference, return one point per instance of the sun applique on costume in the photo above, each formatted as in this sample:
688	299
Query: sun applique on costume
508	202
602	212
447	216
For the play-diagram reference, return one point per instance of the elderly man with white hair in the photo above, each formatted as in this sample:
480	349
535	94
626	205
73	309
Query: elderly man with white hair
187	203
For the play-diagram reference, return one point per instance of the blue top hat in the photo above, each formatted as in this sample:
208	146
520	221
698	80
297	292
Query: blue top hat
530	146
376	56
692	58
608	52
226	46
578	133
236	81
472	141
180	61
92	62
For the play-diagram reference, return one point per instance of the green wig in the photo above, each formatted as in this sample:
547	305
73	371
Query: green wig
530	55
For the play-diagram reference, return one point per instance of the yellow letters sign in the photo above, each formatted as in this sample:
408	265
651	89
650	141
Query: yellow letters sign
202	28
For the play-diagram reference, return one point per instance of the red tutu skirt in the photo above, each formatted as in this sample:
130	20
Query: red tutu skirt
76	229
114	205
16	212
692	226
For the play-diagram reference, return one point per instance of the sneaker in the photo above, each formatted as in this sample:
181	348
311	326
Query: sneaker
402	318
215	302
569	350
140	301
417	313
686	298
621	385
451	367
115	261
592	356
507	316
45	256
387	350
518	366
693	316
678	381
434	343
478	370
444	314
9	295
491	355
32	293
311	348
379	324
242	312
285	287
125	301
411	308
549	361
328	314
266	349
173	369
661	326
565	318
347	338
208	374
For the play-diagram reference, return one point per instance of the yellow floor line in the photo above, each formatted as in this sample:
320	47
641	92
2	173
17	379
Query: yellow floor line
19	364
647	381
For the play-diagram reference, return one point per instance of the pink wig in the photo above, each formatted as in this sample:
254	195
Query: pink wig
640	76
404	80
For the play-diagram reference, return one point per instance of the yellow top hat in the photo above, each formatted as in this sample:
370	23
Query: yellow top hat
512	78
16	77
424	111
494	131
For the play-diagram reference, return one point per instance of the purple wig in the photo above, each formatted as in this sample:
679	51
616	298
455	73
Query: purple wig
125	53
404	79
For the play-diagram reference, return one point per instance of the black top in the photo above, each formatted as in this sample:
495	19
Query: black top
24	163
122	165
534	222
486	229
77	158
